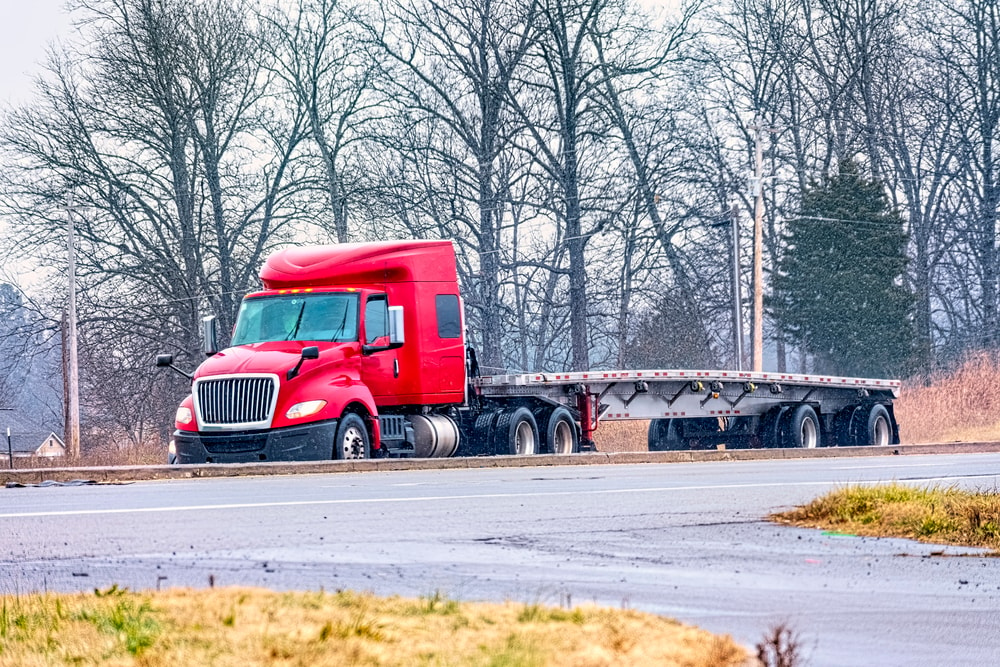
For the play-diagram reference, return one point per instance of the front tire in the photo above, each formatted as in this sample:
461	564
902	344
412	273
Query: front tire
351	441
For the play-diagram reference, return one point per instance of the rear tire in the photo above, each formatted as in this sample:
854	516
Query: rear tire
847	426
560	433
663	436
769	428
516	433
480	442
879	428
351	441
802	428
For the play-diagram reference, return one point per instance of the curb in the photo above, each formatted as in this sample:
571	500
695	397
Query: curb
109	475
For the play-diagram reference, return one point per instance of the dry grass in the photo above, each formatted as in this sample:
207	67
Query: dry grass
627	436
961	405
929	514
243	627
134	455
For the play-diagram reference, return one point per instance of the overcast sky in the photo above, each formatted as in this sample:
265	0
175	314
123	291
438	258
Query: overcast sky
28	26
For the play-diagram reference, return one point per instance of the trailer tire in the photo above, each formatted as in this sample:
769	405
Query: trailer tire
662	436
801	430
351	441
560	433
769	428
878	432
516	433
847	427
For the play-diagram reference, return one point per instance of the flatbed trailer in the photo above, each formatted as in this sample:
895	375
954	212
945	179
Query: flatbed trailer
690	409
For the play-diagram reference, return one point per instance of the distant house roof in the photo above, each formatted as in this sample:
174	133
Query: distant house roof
26	435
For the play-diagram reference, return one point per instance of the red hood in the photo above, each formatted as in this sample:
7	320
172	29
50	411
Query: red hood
272	357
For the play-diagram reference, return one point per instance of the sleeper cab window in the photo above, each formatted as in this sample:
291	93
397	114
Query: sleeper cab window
376	318
449	319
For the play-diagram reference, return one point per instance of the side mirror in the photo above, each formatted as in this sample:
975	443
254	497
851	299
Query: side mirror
311	352
396	336
167	361
209	337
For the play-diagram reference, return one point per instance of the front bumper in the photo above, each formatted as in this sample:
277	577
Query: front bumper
309	442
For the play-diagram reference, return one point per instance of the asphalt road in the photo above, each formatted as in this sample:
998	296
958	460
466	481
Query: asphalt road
685	540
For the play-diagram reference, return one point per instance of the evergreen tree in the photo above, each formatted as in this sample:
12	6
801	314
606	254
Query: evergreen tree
838	290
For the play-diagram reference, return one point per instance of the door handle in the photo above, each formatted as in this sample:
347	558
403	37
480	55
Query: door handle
395	368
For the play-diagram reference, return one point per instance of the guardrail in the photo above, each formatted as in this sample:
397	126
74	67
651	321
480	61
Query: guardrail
118	474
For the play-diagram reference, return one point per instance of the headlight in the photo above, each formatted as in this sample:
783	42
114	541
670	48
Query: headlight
305	409
172	447
183	415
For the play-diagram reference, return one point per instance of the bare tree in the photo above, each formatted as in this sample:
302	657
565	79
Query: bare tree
967	49
319	54
453	65
181	179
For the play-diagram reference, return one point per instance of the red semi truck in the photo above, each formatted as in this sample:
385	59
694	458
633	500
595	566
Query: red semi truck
359	350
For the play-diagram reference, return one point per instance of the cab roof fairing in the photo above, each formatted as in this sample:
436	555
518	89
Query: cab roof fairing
355	264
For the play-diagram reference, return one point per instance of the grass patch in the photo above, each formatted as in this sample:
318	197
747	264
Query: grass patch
239	626
945	515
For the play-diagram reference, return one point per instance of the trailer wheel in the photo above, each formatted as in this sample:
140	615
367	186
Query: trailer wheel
879	428
847	426
351	441
560	433
516	432
802	428
769	427
662	436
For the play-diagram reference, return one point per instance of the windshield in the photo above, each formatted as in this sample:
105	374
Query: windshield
305	317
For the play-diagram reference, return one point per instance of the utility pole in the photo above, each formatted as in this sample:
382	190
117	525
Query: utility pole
737	295
71	369
757	191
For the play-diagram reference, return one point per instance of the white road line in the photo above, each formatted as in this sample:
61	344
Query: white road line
889	465
415	499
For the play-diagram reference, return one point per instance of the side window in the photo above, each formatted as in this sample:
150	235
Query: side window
376	319
449	320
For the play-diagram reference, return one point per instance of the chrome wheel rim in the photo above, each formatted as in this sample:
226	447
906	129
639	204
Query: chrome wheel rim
524	439
353	444
562	438
880	432
808	434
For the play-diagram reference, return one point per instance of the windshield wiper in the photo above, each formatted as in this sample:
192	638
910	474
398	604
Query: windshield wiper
298	321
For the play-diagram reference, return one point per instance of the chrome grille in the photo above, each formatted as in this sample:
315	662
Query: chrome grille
243	401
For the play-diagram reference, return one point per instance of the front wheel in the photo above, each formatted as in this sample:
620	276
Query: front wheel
351	441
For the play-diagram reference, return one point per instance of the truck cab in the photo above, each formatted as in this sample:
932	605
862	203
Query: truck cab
349	351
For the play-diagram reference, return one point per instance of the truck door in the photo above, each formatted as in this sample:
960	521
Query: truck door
379	370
